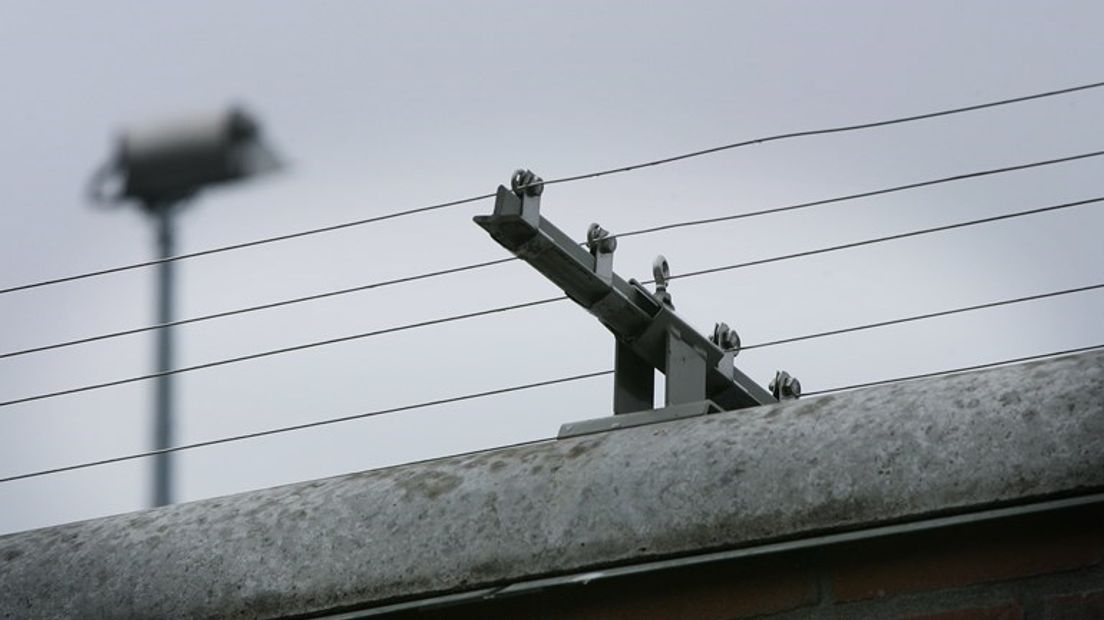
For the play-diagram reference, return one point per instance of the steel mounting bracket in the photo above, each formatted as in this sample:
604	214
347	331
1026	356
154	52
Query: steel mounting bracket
700	373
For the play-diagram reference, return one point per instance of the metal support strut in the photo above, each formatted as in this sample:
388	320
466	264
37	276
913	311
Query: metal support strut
700	374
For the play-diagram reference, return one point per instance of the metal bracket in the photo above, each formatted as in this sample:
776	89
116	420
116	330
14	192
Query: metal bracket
649	335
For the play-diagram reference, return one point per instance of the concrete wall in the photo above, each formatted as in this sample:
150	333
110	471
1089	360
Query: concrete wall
855	461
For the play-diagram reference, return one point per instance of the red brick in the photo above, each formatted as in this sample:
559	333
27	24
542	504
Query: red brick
1008	611
1080	606
944	559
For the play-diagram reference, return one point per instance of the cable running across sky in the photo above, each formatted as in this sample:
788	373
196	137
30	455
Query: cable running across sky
568	179
496	392
835	248
485	264
905	235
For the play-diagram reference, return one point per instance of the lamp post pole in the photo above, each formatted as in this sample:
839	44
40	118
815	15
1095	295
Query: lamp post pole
163	392
160	167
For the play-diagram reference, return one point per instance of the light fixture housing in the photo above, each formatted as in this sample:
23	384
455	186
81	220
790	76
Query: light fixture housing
165	163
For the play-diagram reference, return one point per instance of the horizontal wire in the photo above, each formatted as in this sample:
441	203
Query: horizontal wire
568	179
896	237
310	345
867	194
830	130
579	377
484	264
927	375
307	425
921	317
246	310
298	347
243	245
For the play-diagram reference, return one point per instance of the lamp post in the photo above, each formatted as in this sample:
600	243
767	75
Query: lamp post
161	167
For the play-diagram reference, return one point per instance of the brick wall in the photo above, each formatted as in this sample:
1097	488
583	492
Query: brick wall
1044	566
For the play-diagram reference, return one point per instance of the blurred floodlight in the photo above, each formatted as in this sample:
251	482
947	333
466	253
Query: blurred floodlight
164	163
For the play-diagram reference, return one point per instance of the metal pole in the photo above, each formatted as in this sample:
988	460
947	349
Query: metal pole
162	423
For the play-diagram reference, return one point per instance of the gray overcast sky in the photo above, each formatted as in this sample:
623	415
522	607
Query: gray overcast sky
386	106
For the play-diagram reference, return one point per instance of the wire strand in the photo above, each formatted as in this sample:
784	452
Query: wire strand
307	425
579	377
830	130
271	352
896	237
245	244
458	317
921	317
857	196
485	264
928	375
568	179
249	309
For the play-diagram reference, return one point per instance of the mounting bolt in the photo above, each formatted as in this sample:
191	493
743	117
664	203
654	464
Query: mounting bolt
661	271
726	338
599	241
527	183
785	386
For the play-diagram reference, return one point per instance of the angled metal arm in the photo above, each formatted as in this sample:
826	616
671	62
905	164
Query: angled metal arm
650	336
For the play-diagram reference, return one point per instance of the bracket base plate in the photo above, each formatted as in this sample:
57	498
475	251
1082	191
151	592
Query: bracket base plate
639	418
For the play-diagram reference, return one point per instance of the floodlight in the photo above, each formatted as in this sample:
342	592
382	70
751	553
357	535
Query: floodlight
164	163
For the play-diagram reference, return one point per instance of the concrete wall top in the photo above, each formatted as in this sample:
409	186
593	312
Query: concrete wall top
853	460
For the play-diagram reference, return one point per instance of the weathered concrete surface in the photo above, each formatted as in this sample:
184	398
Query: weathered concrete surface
885	454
